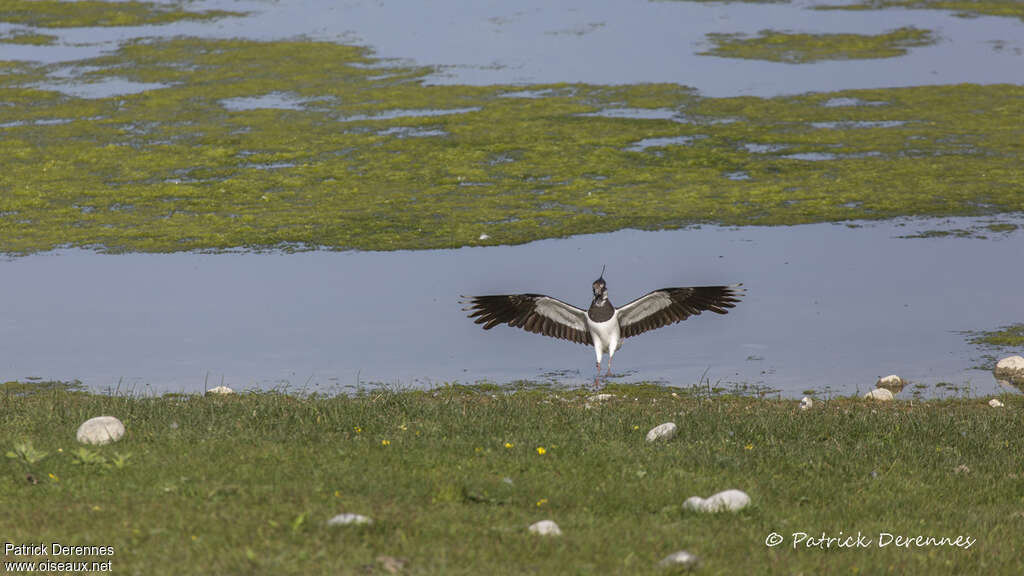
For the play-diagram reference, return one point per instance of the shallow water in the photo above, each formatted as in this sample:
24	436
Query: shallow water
829	307
530	42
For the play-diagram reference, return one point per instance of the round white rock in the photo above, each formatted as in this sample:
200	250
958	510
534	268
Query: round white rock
664	431
220	390
880	394
725	501
545	528
348	519
681	559
100	430
892	383
1010	372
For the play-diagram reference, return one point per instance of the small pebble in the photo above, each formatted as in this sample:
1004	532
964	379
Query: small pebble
681	559
725	501
880	394
664	431
545	528
347	519
100	430
484	237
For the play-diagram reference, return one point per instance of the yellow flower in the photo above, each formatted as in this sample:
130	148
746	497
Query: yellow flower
509	444
542	502
748	447
403	427
635	427
541	450
357	429
385	442
337	493
54	477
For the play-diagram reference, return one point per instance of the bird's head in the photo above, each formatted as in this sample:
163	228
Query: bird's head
599	286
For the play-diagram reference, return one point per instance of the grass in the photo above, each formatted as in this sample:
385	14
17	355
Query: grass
452	478
796	48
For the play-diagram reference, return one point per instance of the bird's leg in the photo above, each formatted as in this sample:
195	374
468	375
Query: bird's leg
609	372
597	383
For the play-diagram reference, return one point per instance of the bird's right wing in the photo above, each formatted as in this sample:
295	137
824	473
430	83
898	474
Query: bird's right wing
532	312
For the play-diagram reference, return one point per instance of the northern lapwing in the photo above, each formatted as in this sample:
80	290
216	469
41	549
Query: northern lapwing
602	325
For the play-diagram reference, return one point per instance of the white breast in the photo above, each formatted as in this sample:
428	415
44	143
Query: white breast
605	333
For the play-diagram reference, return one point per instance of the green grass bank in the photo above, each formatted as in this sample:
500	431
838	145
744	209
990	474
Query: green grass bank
453	477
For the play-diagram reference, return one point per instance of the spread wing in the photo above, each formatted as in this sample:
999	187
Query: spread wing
671	305
532	312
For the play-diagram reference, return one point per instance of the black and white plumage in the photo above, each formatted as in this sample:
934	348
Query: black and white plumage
602	325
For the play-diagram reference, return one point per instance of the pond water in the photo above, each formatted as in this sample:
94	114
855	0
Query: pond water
600	42
829	307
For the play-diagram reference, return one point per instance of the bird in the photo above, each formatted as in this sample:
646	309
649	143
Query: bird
602	325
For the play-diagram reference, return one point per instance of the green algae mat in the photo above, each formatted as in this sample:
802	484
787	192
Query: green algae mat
800	48
63	14
296	145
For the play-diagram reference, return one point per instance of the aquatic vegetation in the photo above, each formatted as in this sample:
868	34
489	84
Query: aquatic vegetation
27	37
60	14
296	144
964	8
801	48
1005	337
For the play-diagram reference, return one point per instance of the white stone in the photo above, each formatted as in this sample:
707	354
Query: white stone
220	390
485	237
892	383
600	397
681	559
100	430
995	403
1010	372
725	501
348	519
664	431
545	528
1011	363
806	403
880	394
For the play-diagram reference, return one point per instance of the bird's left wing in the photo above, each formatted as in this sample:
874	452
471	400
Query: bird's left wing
671	305
532	312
